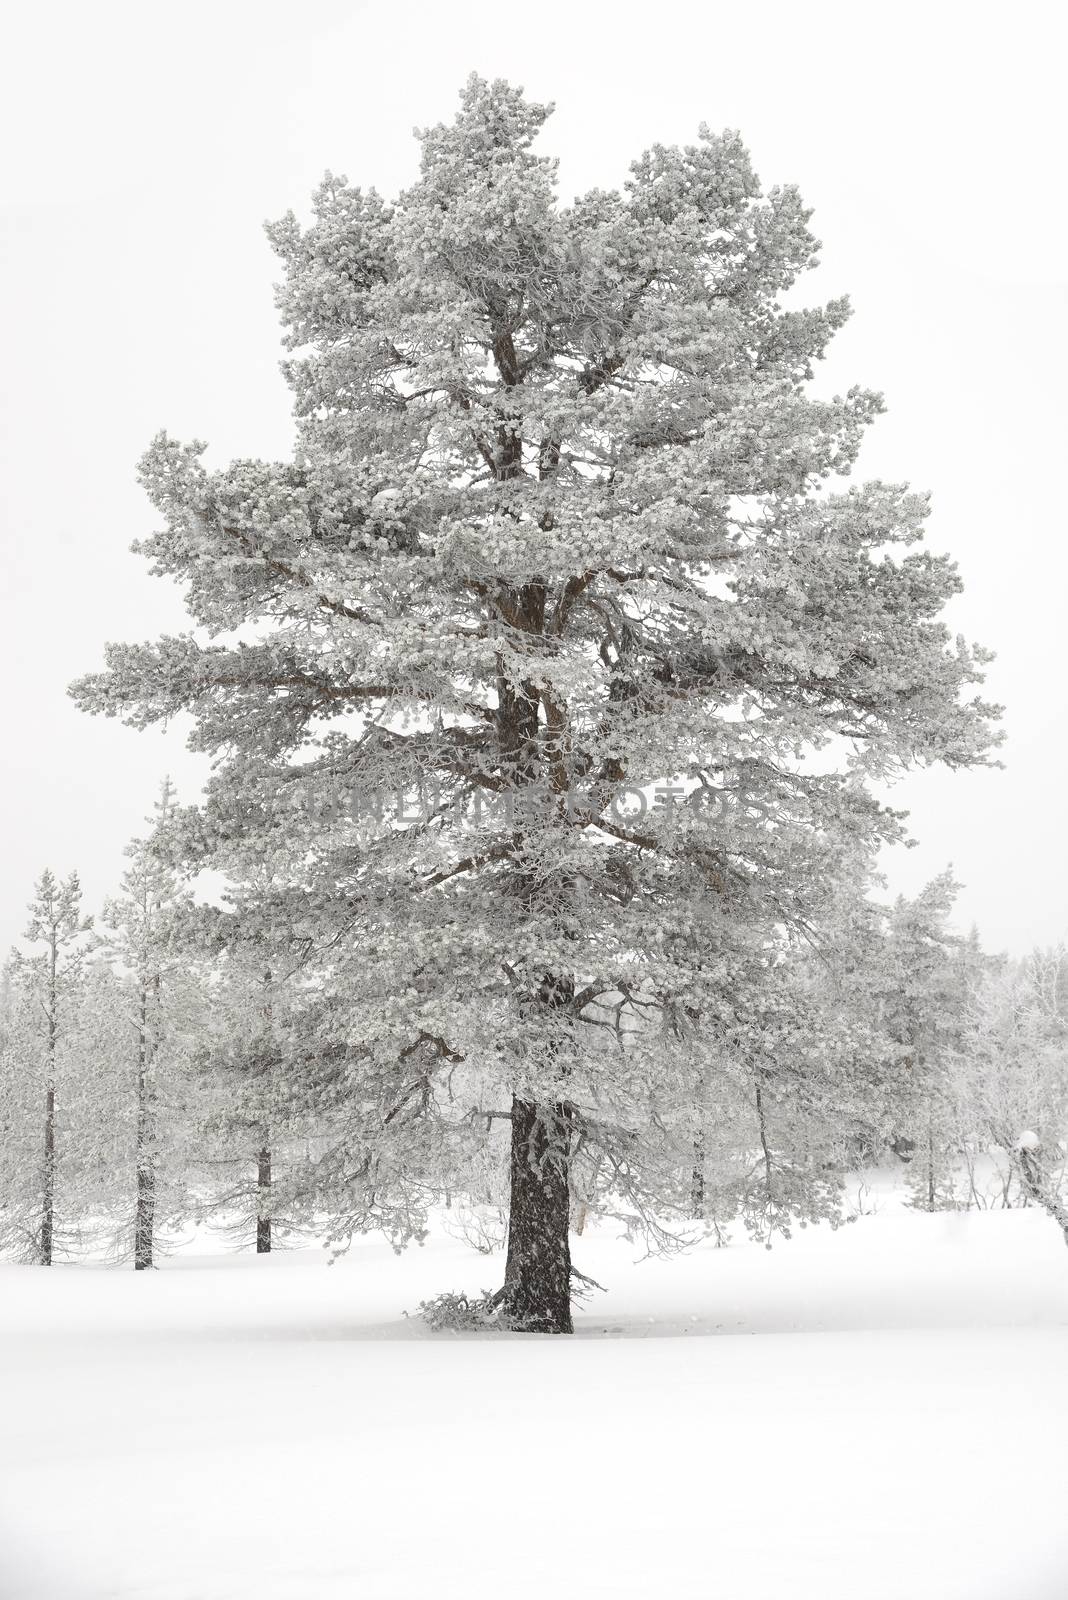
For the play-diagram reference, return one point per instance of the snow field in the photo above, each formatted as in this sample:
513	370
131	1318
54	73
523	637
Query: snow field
856	1415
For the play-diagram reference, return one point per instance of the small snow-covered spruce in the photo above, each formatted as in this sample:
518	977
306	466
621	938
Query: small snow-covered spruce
47	985
788	1075
242	1050
923	993
263	1118
559	519
162	1005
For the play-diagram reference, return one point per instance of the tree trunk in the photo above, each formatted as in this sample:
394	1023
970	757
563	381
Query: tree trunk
697	1179
48	1204
145	1214
1037	1187
145	1221
263	1202
49	1176
536	1297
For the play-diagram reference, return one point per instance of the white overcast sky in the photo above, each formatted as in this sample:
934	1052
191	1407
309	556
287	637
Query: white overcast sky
144	145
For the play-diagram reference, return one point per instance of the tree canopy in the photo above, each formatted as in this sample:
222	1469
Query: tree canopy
546	681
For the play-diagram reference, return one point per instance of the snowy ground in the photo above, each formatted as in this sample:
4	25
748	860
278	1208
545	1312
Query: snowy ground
877	1412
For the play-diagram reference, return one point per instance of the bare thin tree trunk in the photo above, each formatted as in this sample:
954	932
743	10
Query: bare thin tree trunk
48	1205
263	1162
697	1179
263	1201
1037	1187
49	1185
145	1214
145	1222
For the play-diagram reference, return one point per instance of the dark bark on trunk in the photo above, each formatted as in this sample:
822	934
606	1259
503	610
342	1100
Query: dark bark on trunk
536	1296
263	1202
145	1219
697	1180
537	1280
144	1225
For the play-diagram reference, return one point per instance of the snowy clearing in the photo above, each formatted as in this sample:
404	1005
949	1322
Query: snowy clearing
874	1412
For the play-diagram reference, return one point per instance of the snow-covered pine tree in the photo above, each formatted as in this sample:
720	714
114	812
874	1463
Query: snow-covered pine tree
159	1002
98	1108
558	521
796	1073
924	1004
253	1025
48	982
239	1086
849	967
21	1082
